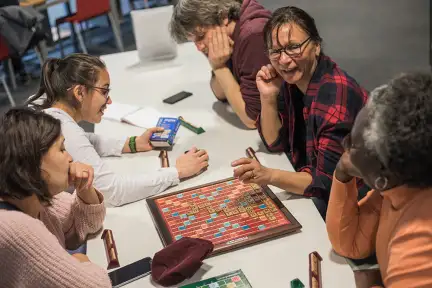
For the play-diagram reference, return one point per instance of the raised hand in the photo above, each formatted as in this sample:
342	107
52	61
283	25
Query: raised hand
220	47
269	83
345	170
81	176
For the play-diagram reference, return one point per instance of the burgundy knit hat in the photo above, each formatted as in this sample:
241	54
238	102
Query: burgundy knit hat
180	260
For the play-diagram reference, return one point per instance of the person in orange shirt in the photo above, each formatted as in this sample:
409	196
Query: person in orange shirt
390	149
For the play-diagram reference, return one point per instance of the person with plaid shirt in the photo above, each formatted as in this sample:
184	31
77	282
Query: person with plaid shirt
308	105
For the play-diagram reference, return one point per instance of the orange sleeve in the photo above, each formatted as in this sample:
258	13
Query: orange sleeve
352	225
410	255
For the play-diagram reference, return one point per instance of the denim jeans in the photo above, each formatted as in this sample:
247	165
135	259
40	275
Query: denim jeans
81	249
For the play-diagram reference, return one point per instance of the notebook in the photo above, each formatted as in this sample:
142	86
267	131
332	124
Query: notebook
146	117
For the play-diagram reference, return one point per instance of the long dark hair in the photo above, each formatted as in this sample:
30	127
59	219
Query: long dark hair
25	137
290	14
59	75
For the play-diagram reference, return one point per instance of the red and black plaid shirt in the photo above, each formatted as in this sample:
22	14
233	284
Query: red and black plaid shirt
313	141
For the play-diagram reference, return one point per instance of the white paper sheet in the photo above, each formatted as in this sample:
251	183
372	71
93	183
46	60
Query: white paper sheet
117	111
146	117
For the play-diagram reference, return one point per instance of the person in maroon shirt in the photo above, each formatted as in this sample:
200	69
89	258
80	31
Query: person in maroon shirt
308	105
230	34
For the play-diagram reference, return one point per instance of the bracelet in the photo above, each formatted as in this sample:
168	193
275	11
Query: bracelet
132	144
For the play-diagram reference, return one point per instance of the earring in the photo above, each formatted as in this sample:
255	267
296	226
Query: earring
381	183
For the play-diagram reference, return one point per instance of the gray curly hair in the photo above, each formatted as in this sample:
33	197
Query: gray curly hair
399	130
189	15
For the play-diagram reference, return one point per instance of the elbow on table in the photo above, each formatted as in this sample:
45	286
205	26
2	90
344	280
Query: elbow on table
249	123
351	251
274	148
116	200
276	145
114	194
353	254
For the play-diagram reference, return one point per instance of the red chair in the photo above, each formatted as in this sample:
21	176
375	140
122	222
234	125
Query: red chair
4	56
86	10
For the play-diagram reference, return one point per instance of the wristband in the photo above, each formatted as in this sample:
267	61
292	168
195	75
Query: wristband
132	144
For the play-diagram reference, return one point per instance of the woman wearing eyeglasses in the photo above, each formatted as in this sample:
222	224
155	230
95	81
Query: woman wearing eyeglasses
308	105
77	89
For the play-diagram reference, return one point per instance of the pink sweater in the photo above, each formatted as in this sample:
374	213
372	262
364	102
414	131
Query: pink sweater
32	251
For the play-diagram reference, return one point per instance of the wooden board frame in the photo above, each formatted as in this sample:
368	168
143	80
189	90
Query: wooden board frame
166	238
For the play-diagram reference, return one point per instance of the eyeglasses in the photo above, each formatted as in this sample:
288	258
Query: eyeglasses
292	50
102	90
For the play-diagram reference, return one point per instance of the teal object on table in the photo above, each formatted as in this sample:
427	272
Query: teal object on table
231	279
296	283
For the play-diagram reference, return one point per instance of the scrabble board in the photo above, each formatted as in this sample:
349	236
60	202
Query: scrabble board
235	279
228	213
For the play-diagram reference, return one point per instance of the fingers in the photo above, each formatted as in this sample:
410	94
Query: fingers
81	175
220	39
241	161
238	172
269	72
230	42
211	48
201	153
204	157
90	178
72	172
204	165
154	129
247	175
192	150
79	181
272	71
261	75
214	41
225	41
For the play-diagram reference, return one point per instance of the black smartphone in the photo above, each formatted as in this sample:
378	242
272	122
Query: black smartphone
131	272
177	97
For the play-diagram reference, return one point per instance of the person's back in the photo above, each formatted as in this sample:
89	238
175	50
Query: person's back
405	216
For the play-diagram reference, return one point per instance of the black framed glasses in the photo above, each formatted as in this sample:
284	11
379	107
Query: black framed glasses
292	50
102	90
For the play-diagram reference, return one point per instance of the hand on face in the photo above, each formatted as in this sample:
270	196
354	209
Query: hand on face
143	141
251	171
81	176
269	84
345	170
220	47
191	163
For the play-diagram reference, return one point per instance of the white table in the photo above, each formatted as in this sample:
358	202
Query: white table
271	264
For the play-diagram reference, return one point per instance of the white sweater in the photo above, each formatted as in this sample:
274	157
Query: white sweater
117	189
